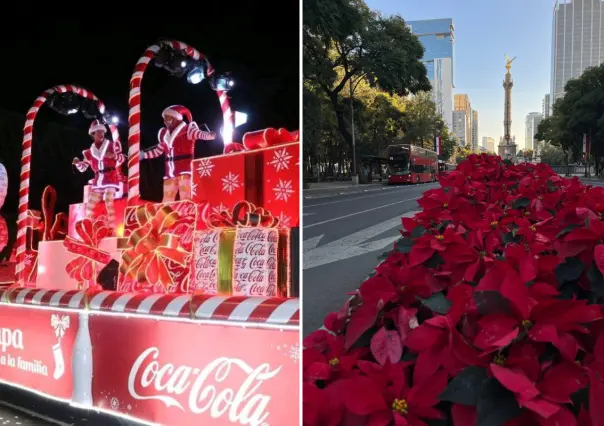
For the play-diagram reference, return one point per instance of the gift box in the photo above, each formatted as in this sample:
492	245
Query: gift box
53	258
242	254
268	177
156	254
77	212
192	216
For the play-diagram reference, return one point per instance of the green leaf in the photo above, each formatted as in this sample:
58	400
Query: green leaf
550	186
434	261
404	245
437	303
491	302
496	405
569	271
567	230
596	280
521	202
465	388
418	231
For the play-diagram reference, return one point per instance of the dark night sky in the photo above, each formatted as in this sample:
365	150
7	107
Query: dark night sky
98	52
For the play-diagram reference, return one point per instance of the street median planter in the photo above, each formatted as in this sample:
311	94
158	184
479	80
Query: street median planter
486	312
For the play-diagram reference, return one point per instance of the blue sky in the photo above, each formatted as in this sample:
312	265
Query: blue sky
484	31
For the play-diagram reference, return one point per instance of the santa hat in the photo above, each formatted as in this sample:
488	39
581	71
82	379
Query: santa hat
178	112
95	126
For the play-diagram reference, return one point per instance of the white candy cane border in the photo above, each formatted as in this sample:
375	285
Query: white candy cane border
26	166
134	103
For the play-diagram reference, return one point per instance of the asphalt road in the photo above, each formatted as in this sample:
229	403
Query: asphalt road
19	407
344	234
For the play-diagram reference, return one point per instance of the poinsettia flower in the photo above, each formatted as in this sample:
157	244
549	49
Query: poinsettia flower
399	403
335	361
548	320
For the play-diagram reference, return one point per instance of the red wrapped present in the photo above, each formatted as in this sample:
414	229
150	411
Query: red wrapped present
244	253
191	216
77	212
90	259
265	172
154	259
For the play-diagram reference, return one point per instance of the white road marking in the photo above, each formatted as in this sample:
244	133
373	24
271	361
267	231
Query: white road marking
351	245
357	213
311	243
359	198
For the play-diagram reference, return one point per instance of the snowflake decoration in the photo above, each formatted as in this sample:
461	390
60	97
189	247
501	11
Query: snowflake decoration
230	183
219	208
193	190
115	403
284	220
205	168
283	190
294	353
281	159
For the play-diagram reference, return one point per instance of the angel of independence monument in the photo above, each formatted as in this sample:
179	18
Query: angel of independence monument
507	144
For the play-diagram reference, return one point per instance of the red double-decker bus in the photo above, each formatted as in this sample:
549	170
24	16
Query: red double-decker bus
445	167
411	164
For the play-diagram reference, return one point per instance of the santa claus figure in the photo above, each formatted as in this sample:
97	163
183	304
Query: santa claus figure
104	157
177	145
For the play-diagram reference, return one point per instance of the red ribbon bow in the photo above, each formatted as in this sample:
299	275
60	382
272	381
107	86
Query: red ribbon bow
262	139
244	214
84	267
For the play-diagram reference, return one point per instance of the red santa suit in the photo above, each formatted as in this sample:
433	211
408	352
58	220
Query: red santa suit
107	173
178	145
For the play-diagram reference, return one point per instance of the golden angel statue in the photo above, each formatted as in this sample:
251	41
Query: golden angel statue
508	65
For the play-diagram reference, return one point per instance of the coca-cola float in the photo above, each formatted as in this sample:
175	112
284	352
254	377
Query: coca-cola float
173	313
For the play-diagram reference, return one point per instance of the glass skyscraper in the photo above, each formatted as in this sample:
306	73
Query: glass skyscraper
438	38
577	41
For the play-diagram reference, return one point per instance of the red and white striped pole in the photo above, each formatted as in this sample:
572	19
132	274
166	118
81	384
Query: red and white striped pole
26	166
134	103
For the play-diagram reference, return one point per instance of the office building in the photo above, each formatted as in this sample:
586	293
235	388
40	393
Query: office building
532	121
474	129
459	127
462	103
438	38
577	41
488	144
546	106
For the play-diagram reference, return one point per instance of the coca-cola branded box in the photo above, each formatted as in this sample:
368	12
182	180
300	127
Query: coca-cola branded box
243	261
32	240
192	216
268	177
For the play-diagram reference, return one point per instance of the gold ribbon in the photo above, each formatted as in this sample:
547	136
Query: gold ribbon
151	246
243	214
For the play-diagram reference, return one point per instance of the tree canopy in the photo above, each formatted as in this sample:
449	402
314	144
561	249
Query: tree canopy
356	58
580	112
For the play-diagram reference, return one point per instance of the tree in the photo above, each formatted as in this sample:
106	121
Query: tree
552	155
528	154
345	36
462	153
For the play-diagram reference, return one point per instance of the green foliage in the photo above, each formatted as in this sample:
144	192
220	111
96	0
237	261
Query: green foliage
349	52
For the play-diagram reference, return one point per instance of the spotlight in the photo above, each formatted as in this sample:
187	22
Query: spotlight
240	118
196	75
223	83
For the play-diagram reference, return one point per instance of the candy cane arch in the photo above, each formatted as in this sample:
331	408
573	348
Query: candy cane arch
134	103
26	165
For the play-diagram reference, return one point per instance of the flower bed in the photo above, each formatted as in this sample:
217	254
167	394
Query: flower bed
487	312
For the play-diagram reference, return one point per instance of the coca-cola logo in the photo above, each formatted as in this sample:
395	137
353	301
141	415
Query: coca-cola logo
208	390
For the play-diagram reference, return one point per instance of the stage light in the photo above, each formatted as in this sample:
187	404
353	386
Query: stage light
240	118
223	83
115	119
183	64
72	111
196	75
